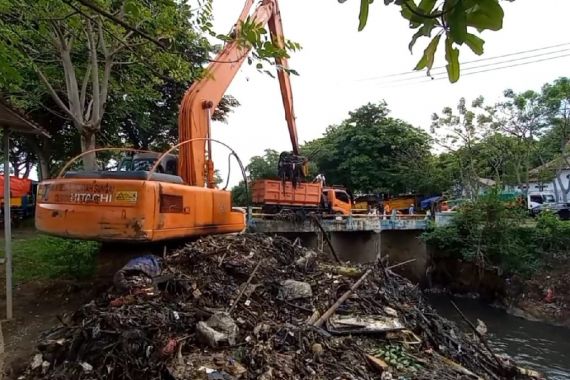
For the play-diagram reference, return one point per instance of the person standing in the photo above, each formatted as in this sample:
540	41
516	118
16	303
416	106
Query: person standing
320	178
411	209
387	209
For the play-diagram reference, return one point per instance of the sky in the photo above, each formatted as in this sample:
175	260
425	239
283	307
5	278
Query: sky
341	69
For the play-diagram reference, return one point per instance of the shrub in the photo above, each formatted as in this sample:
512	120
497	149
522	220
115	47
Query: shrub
488	232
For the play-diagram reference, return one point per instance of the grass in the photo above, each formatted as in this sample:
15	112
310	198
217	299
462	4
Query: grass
37	257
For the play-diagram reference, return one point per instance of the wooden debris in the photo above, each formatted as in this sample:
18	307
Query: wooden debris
377	363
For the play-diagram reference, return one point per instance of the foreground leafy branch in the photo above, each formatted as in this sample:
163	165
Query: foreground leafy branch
459	21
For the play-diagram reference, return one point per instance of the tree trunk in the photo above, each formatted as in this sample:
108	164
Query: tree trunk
88	143
15	166
41	154
43	173
27	168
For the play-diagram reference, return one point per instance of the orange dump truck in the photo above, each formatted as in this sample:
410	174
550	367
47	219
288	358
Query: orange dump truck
22	198
275	196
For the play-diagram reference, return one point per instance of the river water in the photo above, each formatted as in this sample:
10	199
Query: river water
534	345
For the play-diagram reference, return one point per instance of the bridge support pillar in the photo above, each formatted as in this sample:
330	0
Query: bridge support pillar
402	245
356	247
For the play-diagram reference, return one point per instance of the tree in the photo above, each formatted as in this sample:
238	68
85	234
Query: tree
457	20
259	167
556	98
240	196
496	154
444	174
150	120
459	133
80	58
372	152
263	167
522	116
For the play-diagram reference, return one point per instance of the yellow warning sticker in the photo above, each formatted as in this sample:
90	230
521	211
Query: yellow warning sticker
126	196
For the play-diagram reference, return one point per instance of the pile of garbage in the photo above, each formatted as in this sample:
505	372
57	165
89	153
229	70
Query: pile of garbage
250	306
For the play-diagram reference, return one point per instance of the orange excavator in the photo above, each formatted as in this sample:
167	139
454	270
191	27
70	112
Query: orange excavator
171	197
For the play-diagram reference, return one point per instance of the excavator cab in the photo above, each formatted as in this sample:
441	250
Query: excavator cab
145	162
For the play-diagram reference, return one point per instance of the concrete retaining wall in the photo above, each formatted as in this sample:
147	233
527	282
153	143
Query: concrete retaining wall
364	247
401	246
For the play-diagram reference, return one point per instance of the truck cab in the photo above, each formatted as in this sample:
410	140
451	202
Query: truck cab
540	199
338	200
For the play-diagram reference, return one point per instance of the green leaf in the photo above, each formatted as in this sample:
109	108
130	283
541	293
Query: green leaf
475	43
363	16
485	14
457	22
415	20
425	30
452	57
415	37
429	54
426	6
133	8
422	63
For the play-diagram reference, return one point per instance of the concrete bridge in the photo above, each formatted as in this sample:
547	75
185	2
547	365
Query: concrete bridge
360	238
270	223
354	223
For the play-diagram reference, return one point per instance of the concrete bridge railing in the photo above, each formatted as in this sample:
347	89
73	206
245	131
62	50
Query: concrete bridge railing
355	223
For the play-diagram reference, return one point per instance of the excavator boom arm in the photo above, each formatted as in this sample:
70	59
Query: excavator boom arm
276	30
202	98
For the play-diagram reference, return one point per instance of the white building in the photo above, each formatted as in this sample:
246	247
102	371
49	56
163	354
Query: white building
553	176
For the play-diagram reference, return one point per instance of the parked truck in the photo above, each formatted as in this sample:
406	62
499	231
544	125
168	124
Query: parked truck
276	196
546	201
22	199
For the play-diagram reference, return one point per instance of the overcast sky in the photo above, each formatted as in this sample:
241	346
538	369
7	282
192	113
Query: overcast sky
341	69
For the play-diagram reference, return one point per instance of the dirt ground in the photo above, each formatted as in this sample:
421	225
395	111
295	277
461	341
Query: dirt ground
37	306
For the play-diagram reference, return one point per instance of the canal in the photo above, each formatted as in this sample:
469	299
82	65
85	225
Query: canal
535	345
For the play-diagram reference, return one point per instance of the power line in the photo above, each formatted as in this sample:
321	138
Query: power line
480	71
467	62
476	67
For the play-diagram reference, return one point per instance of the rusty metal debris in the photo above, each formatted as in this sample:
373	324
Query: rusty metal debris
181	328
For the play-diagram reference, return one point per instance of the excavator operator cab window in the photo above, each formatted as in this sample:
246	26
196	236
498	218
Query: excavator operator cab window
146	165
139	164
126	165
171	167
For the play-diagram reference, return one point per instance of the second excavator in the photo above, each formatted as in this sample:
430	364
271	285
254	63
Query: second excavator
180	199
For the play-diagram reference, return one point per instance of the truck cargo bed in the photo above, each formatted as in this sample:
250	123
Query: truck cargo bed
272	192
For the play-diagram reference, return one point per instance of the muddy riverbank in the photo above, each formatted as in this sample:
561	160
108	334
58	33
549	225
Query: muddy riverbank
544	296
